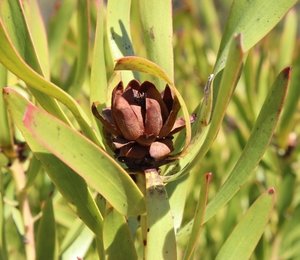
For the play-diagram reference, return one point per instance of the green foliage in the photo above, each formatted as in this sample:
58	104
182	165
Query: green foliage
63	194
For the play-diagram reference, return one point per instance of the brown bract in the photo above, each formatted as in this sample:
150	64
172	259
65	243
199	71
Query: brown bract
140	124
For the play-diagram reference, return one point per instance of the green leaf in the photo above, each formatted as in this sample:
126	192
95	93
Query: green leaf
83	25
16	44
71	186
256	146
177	192
288	40
6	135
245	236
161	243
199	216
156	17
98	88
3	249
288	122
117	239
58	28
13	62
38	35
94	165
46	236
204	137
118	32
80	244
253	19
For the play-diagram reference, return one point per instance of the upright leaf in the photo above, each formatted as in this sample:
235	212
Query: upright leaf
83	25
117	239
255	148
156	17
6	136
38	35
46	237
257	144
253	19
98	88
245	236
118	32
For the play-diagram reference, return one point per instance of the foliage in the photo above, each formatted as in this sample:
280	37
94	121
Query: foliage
230	190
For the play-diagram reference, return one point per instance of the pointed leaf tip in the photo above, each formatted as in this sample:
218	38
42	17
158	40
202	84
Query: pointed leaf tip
287	72
208	177
271	190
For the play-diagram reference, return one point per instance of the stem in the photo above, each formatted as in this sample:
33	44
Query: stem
20	180
141	183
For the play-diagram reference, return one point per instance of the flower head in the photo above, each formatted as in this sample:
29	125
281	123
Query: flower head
140	124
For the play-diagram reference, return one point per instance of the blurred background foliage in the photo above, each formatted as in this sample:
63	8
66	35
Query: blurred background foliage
198	27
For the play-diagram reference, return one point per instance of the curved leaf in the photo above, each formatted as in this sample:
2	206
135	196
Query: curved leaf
253	19
14	62
71	186
15	35
93	164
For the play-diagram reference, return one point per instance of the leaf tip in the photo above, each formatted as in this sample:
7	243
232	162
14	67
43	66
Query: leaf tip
5	91
208	177
271	191
287	73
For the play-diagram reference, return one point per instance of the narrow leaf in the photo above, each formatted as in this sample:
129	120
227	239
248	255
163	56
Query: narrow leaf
256	146
15	37
37	30
245	236
80	245
98	89
83	25
13	62
253	19
156	17
93	164
6	135
117	239
71	186
118	32
198	217
58	28
46	236
204	138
